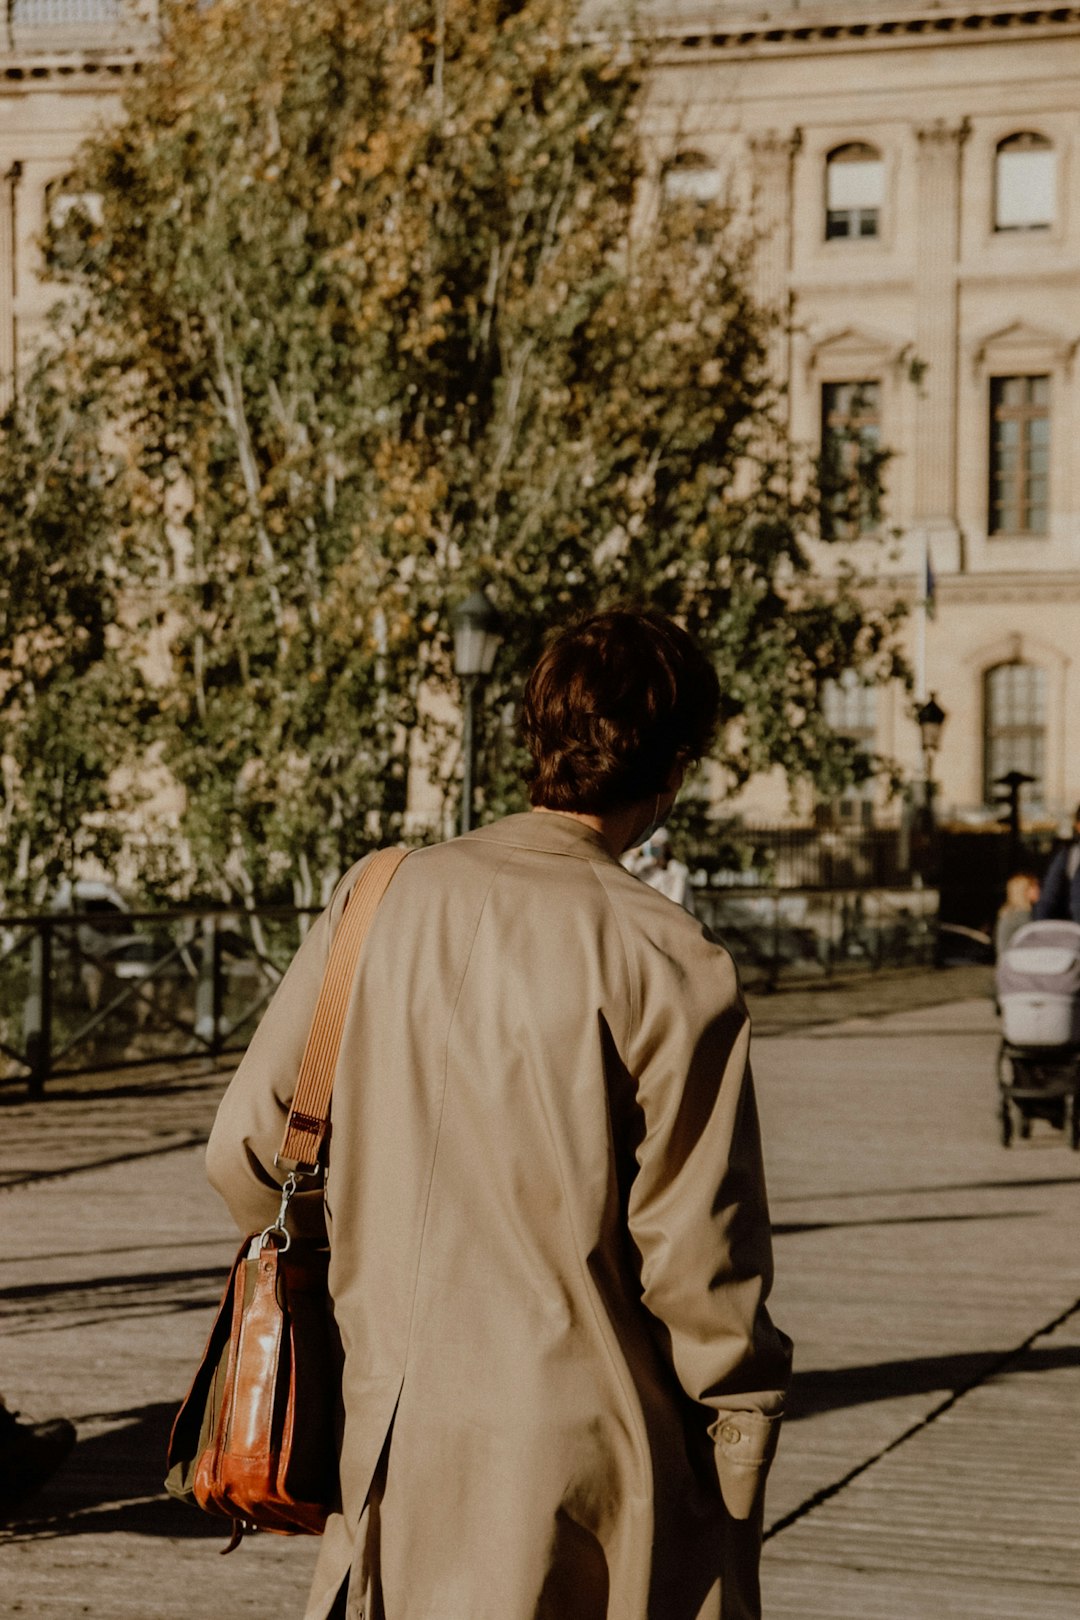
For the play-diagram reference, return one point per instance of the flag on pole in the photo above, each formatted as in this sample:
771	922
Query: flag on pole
930	588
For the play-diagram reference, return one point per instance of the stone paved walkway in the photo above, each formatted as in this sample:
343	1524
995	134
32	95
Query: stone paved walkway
931	1464
929	1277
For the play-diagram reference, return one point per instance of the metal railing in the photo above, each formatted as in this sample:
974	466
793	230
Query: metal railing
66	13
60	26
98	990
104	990
798	936
786	857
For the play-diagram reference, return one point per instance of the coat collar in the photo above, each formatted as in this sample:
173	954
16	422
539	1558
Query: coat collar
548	831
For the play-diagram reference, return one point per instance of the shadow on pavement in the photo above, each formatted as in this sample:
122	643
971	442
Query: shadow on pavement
1004	1184
789	1228
30	1178
828	1391
61	1306
112	1482
66	1089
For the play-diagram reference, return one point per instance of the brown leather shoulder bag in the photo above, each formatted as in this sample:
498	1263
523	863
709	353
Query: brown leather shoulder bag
254	1440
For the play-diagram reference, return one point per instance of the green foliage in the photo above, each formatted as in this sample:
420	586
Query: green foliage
64	692
360	296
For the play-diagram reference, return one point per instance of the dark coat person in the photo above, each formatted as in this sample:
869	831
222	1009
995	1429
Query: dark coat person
1059	899
545	1203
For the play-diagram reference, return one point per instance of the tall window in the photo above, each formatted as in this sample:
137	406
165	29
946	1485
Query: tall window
1019	455
1015	727
850	709
1025	184
850	451
72	217
854	191
690	177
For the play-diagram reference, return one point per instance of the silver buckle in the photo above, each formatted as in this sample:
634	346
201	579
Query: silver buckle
277	1227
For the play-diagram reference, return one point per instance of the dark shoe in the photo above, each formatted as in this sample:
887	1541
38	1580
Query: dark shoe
30	1453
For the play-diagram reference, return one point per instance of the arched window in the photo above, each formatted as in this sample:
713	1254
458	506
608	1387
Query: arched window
71	218
850	708
850	458
1025	183
61	202
854	191
690	177
1014	732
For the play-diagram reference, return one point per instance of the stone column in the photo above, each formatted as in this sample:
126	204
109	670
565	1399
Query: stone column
936	334
8	251
772	157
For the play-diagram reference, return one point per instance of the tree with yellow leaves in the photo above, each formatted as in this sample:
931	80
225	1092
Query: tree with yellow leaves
372	306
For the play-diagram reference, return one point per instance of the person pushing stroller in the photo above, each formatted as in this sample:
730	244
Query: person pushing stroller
1059	899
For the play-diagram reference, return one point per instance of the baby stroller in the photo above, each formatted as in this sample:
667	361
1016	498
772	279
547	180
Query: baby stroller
1038	992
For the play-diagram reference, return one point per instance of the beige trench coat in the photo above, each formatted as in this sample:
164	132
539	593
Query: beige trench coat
549	1242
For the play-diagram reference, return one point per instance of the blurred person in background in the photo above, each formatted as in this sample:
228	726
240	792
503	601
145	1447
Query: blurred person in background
655	864
1021	897
1059	900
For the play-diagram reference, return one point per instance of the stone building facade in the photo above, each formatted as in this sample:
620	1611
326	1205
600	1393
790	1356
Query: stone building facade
62	67
914	170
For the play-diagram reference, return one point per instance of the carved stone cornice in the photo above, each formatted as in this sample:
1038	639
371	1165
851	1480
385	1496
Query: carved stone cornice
843	26
940	138
1021	343
774	146
993	590
975	590
69	71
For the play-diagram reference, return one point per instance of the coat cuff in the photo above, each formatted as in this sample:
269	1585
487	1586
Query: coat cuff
745	1446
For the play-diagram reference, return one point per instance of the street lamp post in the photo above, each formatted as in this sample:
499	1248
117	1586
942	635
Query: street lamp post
930	718
1012	785
475	624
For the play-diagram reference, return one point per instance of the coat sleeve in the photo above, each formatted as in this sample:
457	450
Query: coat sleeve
697	1207
250	1121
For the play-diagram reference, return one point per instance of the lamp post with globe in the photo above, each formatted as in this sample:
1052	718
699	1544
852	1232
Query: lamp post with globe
477	638
930	718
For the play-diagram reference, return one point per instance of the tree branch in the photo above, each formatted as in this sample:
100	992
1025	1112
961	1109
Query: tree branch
229	397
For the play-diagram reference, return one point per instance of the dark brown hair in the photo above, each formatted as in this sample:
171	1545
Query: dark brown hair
614	703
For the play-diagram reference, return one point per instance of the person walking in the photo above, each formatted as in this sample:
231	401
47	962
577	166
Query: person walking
656	865
1021	897
545	1204
1059	900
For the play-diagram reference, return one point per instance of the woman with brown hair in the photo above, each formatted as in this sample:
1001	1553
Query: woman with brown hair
544	1198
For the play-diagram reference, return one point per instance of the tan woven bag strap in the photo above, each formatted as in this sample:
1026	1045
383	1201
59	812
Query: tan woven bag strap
305	1128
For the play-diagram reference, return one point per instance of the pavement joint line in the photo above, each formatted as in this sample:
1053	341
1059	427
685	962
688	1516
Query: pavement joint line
34	1178
1006	1359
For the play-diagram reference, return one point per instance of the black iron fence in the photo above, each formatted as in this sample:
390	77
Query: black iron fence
101	990
786	857
798	935
93	991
